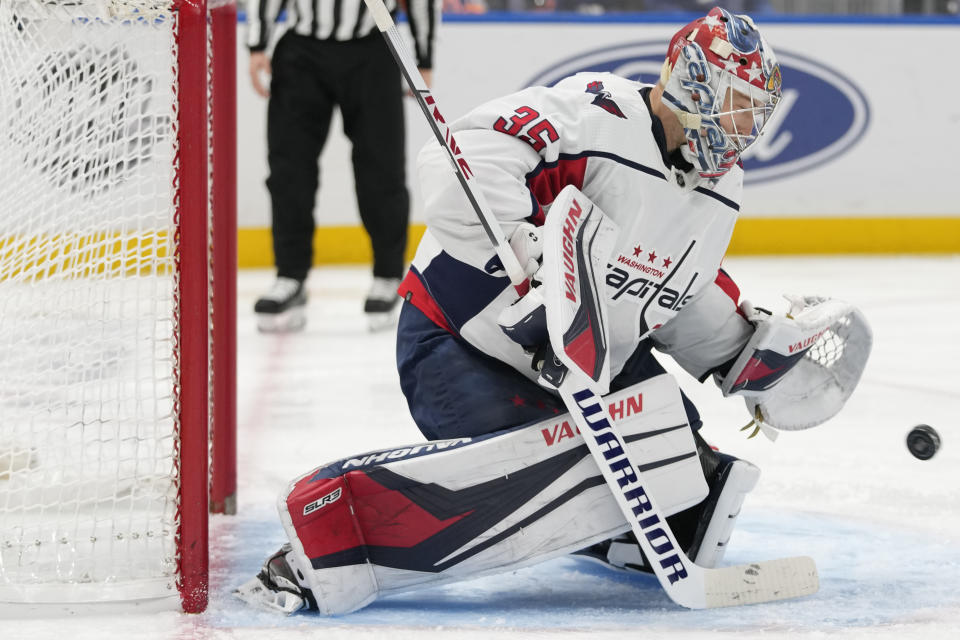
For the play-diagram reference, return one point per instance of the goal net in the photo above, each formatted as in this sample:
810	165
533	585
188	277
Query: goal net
111	257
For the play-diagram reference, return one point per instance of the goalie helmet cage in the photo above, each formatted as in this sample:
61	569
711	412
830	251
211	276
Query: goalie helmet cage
117	296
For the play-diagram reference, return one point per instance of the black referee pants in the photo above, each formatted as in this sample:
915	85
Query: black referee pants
360	76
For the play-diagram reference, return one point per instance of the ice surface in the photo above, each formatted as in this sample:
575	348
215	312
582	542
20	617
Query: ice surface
883	527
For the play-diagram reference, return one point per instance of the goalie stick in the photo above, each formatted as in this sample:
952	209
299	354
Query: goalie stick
578	366
685	582
441	130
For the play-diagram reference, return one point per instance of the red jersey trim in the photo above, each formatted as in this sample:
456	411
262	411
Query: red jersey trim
728	286
547	183
413	291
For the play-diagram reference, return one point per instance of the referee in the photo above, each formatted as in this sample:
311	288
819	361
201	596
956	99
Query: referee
333	55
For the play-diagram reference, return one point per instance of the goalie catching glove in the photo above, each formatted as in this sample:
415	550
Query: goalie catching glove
798	370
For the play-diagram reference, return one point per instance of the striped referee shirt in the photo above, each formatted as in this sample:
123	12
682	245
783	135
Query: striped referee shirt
340	20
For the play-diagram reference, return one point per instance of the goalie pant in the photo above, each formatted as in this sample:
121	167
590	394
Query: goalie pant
417	516
454	391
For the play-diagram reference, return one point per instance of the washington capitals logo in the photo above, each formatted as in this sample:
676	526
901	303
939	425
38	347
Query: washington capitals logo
603	99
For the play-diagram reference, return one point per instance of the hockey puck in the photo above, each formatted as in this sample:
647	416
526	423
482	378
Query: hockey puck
923	441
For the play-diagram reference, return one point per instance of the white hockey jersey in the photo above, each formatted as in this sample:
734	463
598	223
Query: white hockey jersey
596	132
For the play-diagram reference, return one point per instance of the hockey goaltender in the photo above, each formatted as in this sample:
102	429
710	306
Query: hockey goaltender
583	226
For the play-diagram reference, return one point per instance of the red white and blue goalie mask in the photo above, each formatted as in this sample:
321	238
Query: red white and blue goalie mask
709	62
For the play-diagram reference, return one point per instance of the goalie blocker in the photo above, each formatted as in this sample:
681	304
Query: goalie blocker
422	515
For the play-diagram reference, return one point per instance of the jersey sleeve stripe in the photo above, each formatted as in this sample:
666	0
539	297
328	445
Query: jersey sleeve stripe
729	287
549	178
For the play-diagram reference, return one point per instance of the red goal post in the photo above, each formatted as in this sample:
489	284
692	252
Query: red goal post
117	296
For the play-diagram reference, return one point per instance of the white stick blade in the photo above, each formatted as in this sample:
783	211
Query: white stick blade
761	582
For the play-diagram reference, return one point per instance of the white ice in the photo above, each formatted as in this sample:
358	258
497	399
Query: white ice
883	527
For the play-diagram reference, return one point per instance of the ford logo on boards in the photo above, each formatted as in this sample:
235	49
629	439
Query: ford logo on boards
822	113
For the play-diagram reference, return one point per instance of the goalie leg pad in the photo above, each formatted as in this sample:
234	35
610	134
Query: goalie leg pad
704	529
320	520
394	520
720	510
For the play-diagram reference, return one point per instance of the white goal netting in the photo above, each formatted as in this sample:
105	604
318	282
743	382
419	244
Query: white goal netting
88	354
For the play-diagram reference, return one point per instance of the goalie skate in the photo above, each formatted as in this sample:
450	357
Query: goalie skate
622	552
282	308
275	587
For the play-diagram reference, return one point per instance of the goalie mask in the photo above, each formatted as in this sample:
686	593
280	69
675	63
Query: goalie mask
722	81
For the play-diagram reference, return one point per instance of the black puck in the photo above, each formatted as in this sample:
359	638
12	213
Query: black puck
923	441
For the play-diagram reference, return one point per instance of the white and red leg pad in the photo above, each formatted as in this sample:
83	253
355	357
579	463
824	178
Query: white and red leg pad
320	520
416	516
716	519
738	479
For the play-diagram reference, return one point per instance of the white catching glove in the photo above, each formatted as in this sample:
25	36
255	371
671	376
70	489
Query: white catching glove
798	370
